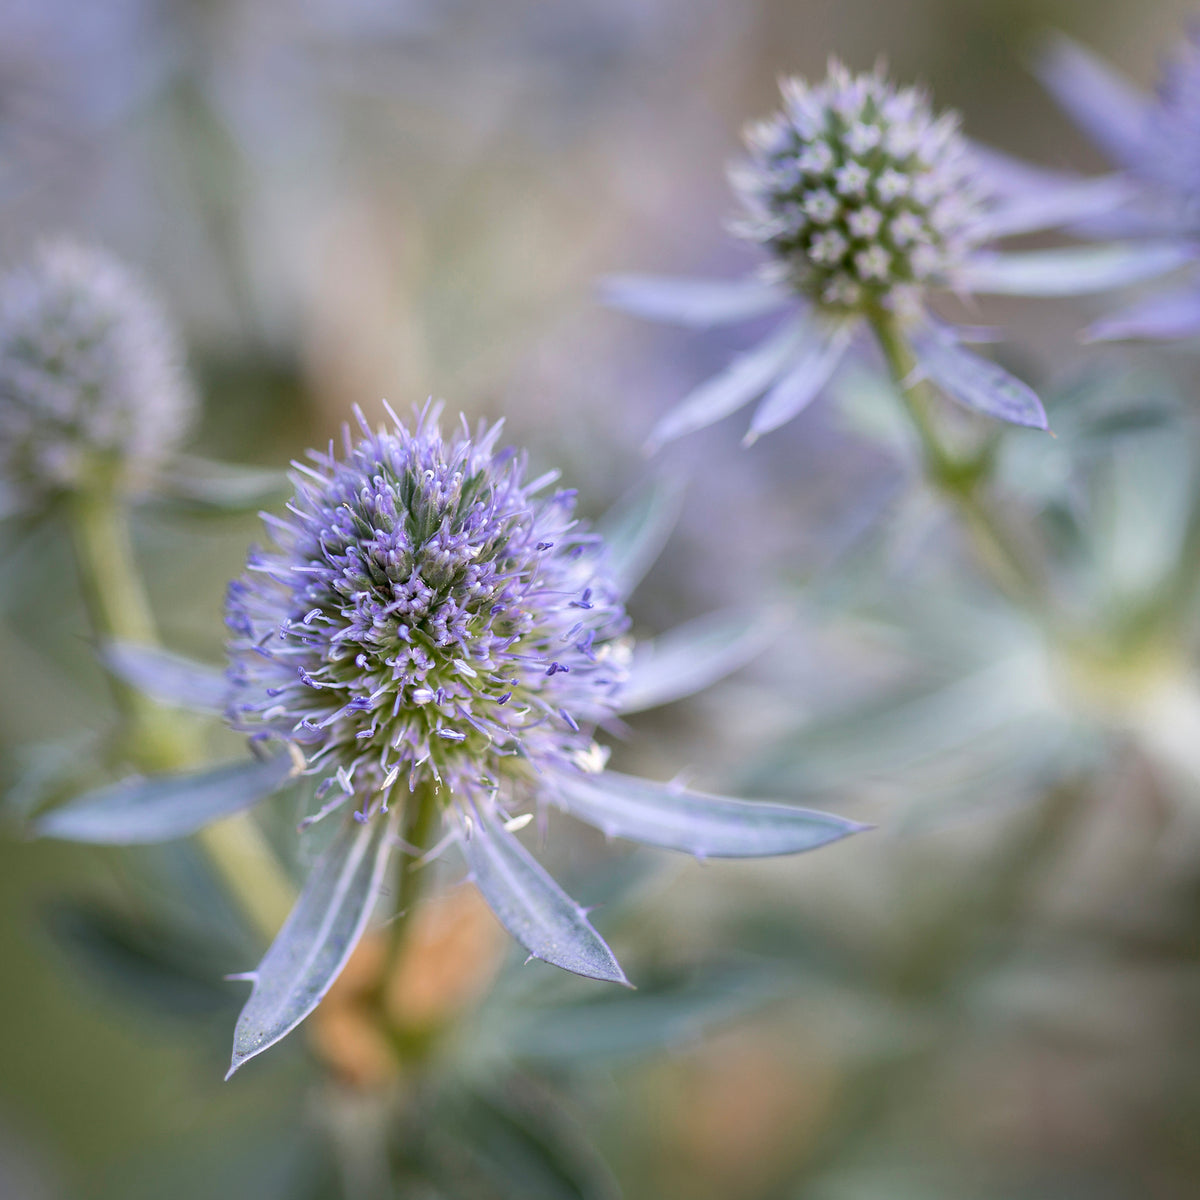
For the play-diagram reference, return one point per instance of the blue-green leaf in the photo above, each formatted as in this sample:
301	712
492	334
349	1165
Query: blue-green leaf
700	303
166	677
694	656
746	378
202	486
318	937
674	818
161	807
637	527
532	907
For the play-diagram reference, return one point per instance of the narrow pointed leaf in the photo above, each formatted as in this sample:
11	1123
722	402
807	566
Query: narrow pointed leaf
317	939
694	656
532	907
1074	271
636	529
745	379
163	807
674	818
166	677
978	383
811	371
1105	105
699	303
1059	204
1174	314
203	486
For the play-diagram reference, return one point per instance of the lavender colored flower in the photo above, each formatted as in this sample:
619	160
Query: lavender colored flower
429	617
92	384
866	200
1155	141
434	633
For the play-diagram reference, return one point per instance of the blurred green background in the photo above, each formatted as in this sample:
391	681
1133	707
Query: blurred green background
343	200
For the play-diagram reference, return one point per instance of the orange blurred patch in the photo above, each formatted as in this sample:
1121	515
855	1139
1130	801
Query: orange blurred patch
451	952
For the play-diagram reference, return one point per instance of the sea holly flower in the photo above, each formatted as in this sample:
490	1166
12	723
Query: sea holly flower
434	632
94	392
1155	140
867	201
91	377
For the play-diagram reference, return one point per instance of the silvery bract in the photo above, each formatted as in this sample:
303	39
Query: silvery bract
92	384
1155	140
865	200
430	622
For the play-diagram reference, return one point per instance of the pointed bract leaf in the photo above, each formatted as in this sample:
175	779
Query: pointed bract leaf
160	808
674	818
1073	271
977	383
745	379
1174	314
816	363
1104	104
532	907
166	677
200	485
694	656
700	303
318	937
1057	204
637	527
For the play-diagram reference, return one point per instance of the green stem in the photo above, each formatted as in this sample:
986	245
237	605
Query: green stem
154	739
960	479
417	826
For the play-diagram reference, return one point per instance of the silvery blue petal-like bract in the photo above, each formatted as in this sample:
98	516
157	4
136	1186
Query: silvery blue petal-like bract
745	379
675	818
693	656
806	376
1073	271
637	527
683	302
976	382
1169	315
166	677
163	807
532	907
1112	111
318	937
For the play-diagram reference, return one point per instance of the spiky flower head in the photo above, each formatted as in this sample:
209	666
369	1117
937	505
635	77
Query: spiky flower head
859	190
427	616
91	376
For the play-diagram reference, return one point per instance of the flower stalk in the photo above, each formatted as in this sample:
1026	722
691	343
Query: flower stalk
153	739
960	478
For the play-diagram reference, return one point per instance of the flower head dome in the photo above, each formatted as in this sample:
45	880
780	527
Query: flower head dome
428	616
91	375
859	190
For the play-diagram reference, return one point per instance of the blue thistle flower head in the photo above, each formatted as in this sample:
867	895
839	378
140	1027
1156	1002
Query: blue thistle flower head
428	615
859	190
92	381
868	202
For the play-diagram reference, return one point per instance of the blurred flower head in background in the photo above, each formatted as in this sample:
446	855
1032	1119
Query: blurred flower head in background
868	201
92	379
859	190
